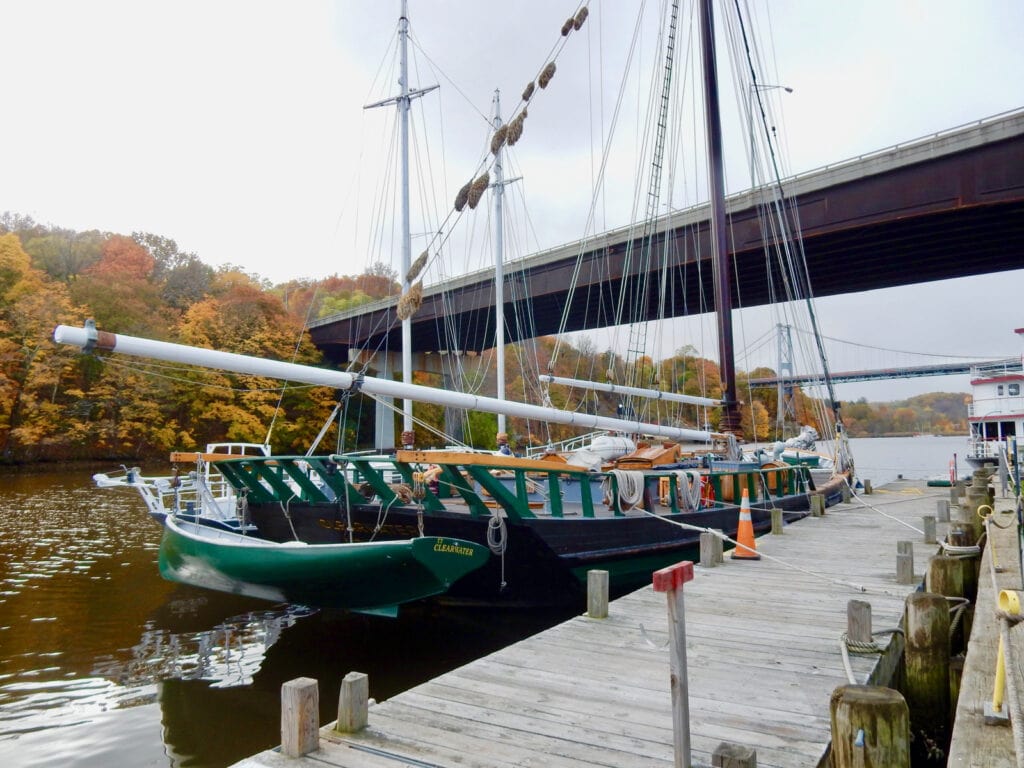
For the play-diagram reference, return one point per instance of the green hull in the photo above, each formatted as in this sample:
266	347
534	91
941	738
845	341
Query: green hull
370	576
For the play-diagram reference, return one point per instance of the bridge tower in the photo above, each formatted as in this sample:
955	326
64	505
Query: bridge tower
785	407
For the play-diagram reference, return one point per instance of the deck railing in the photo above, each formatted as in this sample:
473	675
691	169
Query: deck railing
520	492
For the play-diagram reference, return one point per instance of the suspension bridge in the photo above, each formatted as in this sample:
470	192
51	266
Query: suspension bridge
904	372
849	361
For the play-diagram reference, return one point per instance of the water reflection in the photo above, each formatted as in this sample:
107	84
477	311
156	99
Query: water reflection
104	663
228	654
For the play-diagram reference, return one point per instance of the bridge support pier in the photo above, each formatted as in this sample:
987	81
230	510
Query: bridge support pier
388	365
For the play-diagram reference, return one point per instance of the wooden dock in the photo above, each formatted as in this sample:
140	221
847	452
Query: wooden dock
764	656
975	743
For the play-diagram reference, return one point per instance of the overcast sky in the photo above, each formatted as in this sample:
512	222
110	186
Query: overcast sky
237	128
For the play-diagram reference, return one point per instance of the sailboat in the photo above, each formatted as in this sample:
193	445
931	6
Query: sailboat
542	523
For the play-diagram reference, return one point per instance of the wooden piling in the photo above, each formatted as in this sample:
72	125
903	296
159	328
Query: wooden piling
776	521
956	676
353	703
708	558
858	621
945	576
929	529
817	505
728	755
597	594
942	510
870	728
712	552
926	658
845	492
300	717
962	535
867	487
904	562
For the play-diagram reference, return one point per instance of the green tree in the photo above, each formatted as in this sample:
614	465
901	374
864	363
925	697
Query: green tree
64	254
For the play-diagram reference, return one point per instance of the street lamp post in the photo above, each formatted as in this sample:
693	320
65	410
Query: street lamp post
754	91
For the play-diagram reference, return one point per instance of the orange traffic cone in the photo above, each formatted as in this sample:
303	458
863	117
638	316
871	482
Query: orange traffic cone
746	548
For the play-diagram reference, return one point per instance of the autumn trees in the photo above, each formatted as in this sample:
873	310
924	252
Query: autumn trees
57	404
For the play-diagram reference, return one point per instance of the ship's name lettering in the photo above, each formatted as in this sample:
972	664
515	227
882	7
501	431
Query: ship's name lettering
442	546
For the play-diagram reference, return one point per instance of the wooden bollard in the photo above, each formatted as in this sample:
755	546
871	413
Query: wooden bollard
353	703
776	521
670	581
597	594
942	510
870	728
707	550
817	505
867	487
858	621
300	717
728	755
945	576
954	494
926	658
845	493
904	562
929	529
962	535
712	552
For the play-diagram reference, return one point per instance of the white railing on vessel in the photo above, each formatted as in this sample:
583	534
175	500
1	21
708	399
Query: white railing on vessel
1007	367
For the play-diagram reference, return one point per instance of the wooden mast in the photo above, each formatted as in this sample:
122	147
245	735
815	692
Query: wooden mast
720	252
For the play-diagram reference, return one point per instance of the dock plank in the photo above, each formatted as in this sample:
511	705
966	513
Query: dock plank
763	655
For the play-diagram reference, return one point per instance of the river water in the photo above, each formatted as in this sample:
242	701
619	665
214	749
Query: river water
102	663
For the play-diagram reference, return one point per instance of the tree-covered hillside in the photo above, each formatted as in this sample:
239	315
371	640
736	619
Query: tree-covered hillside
57	404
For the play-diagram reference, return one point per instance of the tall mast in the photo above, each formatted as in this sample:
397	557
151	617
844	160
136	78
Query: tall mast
403	113
402	101
719	249
499	265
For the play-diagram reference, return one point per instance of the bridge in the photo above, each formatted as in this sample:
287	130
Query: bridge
903	372
946	206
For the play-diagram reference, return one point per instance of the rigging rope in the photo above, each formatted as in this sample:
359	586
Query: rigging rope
824	577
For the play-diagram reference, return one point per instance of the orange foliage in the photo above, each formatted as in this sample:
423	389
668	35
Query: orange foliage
121	258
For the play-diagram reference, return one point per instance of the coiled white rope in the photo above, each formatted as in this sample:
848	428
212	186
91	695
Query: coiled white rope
497	540
497	534
630	484
688	489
